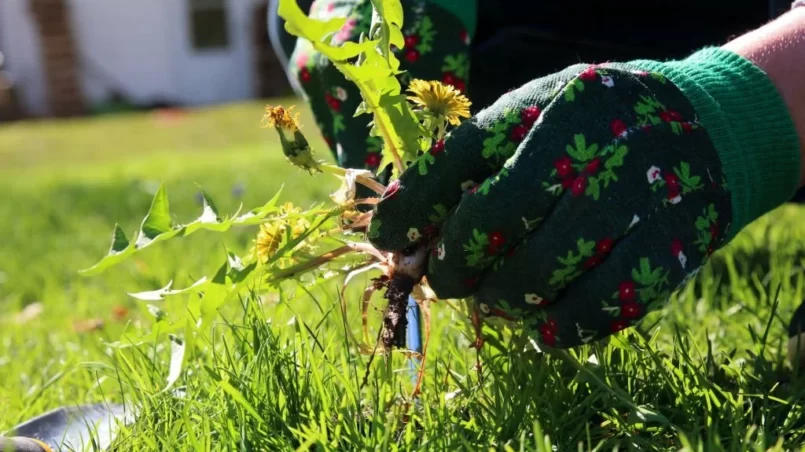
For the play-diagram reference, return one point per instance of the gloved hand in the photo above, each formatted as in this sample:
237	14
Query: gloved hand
580	201
436	48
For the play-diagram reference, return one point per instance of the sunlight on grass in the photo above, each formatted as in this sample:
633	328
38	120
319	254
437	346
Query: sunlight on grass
276	372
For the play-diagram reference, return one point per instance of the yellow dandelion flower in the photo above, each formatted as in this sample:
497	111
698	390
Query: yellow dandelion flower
294	144
444	102
272	234
288	207
267	242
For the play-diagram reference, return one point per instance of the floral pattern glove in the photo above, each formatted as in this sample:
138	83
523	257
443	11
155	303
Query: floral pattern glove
436	48
576	203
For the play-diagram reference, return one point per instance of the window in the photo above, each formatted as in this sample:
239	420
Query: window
209	28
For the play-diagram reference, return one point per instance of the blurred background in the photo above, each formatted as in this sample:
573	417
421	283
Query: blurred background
84	57
101	101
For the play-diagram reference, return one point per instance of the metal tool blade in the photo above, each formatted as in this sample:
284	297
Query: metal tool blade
76	428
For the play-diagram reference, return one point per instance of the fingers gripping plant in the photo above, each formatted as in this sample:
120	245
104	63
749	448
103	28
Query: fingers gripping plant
288	239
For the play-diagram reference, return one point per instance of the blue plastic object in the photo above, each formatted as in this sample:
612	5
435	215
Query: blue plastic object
413	335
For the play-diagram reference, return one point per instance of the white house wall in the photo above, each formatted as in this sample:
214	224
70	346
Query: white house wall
19	43
142	48
126	45
212	76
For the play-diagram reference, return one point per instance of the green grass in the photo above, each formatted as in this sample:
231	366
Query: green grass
275	372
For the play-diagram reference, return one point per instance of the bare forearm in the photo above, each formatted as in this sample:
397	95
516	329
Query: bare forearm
778	48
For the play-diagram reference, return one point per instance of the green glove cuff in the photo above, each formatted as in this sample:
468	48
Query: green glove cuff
749	125
465	10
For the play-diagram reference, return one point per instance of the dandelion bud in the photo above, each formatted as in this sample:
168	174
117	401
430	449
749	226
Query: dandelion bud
294	145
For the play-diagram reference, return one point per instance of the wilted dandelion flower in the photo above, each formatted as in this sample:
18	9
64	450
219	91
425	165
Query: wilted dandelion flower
271	234
441	101
294	145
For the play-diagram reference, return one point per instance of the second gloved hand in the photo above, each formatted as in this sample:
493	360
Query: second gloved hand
436	48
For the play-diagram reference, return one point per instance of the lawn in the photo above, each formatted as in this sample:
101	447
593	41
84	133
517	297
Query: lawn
275	372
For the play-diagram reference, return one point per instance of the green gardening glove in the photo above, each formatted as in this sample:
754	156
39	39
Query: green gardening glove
580	201
437	38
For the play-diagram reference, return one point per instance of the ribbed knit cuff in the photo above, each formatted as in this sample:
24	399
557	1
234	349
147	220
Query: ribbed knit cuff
748	122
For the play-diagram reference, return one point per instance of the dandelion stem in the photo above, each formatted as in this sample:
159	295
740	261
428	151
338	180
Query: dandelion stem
368	249
327	257
372	184
313	263
440	132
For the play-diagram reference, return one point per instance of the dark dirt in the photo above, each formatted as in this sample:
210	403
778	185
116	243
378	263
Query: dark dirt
395	321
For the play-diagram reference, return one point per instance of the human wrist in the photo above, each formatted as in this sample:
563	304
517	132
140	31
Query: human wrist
748	123
778	49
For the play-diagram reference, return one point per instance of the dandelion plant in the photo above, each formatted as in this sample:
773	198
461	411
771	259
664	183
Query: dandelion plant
330	239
